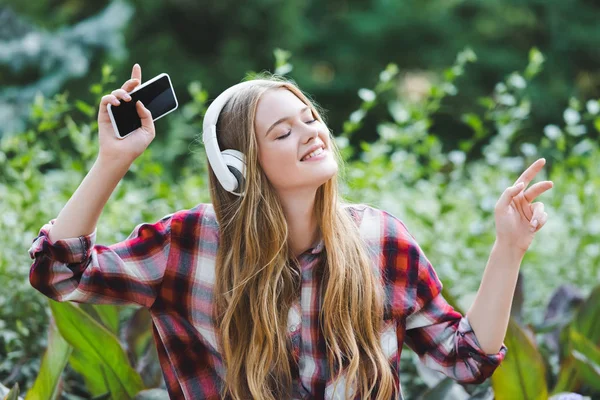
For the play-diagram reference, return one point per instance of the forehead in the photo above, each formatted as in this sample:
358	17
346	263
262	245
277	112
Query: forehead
275	104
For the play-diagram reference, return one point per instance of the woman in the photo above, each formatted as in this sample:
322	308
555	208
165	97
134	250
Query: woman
277	289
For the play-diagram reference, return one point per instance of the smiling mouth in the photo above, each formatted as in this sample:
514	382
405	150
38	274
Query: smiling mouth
315	153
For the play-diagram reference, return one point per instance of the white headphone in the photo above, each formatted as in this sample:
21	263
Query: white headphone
228	165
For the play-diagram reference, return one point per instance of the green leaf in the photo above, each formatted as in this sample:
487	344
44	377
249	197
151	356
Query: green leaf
91	371
586	323
137	332
587	359
53	363
85	108
522	374
109	314
99	344
13	394
106	314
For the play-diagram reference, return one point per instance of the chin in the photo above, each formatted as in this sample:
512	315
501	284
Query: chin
327	176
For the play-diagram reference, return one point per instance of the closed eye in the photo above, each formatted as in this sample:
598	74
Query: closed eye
290	131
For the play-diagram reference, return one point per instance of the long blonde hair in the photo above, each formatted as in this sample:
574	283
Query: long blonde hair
258	278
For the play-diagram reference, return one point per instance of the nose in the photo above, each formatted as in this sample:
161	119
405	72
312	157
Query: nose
311	134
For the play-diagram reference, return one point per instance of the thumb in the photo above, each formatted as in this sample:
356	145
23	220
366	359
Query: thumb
146	117
509	194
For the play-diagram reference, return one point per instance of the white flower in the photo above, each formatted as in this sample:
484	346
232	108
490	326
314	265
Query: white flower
517	81
583	147
357	115
450	89
10	219
507	99
514	164
593	106
385	76
528	149
552	132
476	228
506	131
592	250
593	226
457	157
342	142
366	94
398	111
399	156
492	158
387	131
576	130
488	203
571	116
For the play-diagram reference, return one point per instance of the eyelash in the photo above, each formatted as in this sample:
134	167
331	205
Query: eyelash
290	131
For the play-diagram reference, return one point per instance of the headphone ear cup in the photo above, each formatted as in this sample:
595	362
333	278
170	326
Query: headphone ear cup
236	163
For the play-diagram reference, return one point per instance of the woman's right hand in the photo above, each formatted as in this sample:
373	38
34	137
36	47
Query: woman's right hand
128	149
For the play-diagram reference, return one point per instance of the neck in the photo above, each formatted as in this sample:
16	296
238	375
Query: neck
298	207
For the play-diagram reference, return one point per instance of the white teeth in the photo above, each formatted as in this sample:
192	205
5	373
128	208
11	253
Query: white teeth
314	153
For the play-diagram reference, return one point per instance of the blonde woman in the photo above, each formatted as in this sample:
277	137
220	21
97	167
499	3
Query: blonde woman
278	289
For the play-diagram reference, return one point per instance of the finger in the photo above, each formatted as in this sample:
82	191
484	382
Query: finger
509	194
129	85
543	220
121	94
108	99
537	189
136	72
530	173
538	213
146	117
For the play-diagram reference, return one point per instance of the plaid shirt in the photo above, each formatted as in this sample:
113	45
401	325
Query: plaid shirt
169	267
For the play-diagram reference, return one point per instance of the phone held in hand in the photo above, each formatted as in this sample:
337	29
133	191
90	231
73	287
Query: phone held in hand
157	95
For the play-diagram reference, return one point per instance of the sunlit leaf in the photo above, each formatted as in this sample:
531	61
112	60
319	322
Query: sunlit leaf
522	374
587	359
587	324
13	393
99	344
46	385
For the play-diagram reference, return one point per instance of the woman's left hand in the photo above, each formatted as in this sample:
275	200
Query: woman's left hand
517	218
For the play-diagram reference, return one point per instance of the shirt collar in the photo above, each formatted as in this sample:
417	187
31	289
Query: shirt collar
318	247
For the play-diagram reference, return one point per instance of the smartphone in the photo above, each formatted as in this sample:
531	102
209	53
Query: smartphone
157	95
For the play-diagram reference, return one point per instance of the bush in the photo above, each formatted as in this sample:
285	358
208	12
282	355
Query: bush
444	197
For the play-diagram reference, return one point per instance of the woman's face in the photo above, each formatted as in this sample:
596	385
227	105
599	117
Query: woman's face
286	131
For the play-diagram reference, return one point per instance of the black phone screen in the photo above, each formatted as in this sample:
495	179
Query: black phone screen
158	97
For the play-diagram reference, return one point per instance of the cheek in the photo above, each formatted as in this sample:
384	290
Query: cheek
278	162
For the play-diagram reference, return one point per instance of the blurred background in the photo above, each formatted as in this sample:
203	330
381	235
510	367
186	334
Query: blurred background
438	106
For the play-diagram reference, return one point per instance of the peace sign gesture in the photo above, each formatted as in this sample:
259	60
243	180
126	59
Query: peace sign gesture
517	218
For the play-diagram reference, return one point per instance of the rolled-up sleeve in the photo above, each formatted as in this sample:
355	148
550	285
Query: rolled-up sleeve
76	269
442	338
445	341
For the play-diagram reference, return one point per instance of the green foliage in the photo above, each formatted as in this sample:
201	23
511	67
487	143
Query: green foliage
105	360
445	197
338	47
47	383
522	375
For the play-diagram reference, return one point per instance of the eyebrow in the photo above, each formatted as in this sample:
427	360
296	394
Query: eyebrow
280	120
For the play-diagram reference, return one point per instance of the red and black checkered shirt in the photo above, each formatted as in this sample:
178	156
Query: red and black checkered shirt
169	267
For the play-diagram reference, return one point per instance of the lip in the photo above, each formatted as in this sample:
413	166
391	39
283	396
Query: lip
313	148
